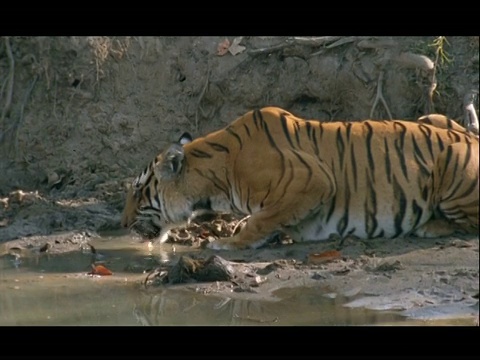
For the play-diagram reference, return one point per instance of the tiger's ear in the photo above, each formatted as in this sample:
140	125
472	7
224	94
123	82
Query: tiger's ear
170	164
185	138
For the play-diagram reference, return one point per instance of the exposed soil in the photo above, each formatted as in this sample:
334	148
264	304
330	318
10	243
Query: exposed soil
81	116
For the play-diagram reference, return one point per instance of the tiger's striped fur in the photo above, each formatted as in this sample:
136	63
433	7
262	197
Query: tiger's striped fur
315	179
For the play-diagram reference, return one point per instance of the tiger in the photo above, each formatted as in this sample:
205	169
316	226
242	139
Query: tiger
314	180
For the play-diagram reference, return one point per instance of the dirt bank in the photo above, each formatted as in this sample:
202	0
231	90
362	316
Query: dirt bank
81	116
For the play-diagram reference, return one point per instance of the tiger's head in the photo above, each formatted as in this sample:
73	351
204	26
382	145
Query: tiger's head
154	202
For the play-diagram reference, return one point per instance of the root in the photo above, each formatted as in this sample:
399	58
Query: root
11	61
200	98
379	97
22	108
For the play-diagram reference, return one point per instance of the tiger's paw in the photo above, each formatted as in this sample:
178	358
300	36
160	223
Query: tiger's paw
226	244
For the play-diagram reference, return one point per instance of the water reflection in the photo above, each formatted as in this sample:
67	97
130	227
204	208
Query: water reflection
299	306
52	289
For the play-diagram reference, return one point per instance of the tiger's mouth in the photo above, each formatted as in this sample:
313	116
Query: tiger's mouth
146	230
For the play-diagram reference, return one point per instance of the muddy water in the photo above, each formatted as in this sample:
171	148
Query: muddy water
47	289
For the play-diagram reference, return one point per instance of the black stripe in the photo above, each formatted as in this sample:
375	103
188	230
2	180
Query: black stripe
449	124
320	127
402	132
308	125
468	155
274	145
456	137
200	154
369	136
427	133
424	169
255	120
310	172
283	121
270	138
417	212
401	200
266	195
147	195
448	158
215	180
235	135
370	207
315	143
455	168
343	222
247	130
353	162
218	147
388	165
296	128
417	151
425	191
289	180
332	207
340	147
441	146
467	191
473	203
399	145
348	125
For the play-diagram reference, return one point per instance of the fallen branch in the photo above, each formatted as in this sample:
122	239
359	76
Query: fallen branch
471	118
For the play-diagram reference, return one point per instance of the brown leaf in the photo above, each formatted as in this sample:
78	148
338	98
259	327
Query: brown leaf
45	247
222	48
323	257
99	270
3	222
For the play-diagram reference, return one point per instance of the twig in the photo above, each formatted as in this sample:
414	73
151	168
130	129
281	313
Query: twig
342	41
268	50
22	108
238	223
380	97
200	98
252	319
11	73
316	41
306	41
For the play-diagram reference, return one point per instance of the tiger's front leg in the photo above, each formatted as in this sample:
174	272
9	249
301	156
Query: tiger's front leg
312	186
254	234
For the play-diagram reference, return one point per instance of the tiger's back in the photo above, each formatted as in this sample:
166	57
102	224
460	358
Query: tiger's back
314	179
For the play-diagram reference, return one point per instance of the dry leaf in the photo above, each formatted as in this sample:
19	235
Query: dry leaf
45	247
223	47
3	222
236	48
99	270
323	257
